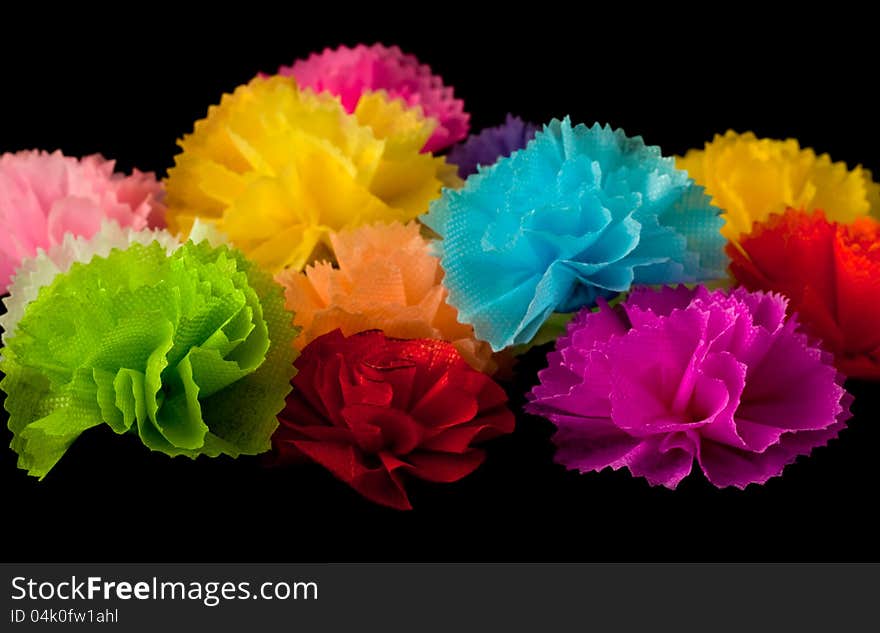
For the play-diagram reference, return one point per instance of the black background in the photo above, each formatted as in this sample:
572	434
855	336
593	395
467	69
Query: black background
129	85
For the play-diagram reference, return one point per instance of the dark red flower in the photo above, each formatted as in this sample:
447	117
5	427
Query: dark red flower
374	410
831	274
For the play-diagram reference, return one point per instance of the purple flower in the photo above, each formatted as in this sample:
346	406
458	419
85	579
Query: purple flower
678	375
490	144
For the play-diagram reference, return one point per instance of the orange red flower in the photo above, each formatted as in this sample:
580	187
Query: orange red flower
831	274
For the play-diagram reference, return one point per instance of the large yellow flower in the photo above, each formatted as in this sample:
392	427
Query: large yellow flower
277	169
750	178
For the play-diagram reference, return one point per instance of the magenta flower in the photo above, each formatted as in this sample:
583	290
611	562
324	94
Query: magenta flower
678	375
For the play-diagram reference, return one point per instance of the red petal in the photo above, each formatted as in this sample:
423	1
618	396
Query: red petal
455	440
375	393
397	430
458	439
444	468
858	289
445	405
383	488
376	484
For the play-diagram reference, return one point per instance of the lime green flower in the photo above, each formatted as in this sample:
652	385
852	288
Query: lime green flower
189	351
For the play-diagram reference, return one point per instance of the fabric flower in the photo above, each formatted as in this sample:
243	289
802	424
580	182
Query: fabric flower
375	410
581	213
277	169
490	144
679	375
386	280
191	352
349	73
831	274
750	178
43	196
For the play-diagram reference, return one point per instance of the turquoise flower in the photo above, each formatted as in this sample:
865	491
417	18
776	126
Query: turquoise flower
580	213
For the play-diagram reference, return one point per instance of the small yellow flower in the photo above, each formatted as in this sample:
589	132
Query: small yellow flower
276	169
750	178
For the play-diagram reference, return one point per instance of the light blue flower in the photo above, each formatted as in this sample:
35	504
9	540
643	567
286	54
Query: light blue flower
580	213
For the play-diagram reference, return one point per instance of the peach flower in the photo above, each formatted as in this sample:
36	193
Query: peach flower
386	279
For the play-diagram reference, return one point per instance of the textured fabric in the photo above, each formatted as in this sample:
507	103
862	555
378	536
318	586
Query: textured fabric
672	377
581	213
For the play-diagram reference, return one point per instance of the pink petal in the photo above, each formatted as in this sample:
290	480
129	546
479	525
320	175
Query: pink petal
74	215
664	467
586	444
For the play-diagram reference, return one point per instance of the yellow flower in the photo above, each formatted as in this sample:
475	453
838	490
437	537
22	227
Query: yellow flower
276	169
750	178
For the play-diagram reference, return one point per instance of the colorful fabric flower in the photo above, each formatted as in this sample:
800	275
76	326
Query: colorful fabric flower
350	73
490	144
750	178
831	274
277	169
386	280
679	375
581	213
190	352
375	410
43	196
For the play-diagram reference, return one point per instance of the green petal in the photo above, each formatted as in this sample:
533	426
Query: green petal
45	421
179	420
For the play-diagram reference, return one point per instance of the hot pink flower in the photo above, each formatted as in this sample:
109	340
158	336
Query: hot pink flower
672	378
